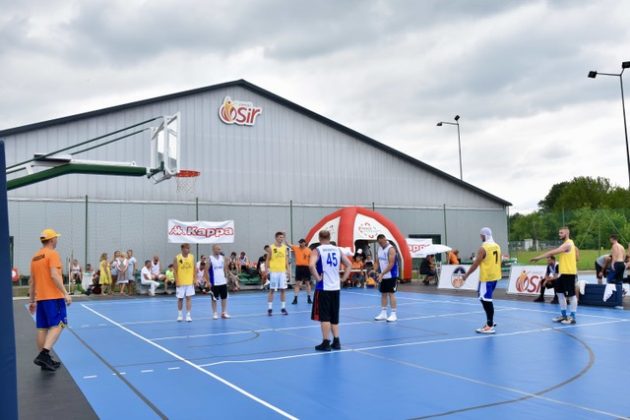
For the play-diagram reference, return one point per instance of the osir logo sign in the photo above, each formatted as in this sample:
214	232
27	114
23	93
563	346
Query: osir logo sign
238	112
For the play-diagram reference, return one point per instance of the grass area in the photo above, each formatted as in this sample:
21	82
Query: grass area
586	261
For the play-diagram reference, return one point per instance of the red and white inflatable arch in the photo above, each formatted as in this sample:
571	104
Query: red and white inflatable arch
352	223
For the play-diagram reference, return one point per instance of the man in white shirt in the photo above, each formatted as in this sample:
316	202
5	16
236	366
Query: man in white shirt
324	263
146	278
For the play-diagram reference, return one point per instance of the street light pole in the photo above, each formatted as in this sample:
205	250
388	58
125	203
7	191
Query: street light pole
592	75
459	143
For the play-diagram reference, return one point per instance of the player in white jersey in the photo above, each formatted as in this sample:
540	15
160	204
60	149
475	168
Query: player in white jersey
218	279
387	278
324	264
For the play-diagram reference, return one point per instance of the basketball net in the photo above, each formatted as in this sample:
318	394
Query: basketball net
186	182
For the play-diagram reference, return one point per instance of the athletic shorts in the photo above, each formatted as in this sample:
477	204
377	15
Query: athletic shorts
183	291
51	313
565	284
302	273
485	289
388	285
277	281
326	306
220	291
619	267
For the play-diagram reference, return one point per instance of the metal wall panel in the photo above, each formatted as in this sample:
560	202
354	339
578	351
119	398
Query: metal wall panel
285	156
143	226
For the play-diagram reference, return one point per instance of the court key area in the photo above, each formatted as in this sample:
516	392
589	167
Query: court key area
131	359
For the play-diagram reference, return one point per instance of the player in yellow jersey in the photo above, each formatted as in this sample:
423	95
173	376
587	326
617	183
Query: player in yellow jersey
277	260
489	262
184	271
567	266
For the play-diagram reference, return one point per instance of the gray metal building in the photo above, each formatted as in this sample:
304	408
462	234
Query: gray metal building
285	172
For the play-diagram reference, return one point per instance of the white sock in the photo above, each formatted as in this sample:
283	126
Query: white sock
179	313
269	305
383	310
284	305
393	309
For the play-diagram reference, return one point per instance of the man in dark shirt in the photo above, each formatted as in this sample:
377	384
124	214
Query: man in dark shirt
547	283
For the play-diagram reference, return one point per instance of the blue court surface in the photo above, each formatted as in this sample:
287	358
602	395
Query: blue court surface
131	359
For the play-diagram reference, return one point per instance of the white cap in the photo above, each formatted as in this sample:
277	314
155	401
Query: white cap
487	232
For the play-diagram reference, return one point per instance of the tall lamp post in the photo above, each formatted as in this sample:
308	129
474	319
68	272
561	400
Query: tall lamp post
459	142
593	74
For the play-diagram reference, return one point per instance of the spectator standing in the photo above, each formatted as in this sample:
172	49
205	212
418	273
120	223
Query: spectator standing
114	266
618	257
48	298
132	266
123	280
105	275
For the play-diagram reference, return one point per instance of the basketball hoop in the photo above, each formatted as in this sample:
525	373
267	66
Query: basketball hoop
186	180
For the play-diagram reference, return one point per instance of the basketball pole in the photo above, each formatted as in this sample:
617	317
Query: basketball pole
8	372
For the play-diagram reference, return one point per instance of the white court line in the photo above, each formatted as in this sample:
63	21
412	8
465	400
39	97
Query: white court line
195	366
497	386
147	371
90	377
417	343
163	299
174	368
317	326
255	314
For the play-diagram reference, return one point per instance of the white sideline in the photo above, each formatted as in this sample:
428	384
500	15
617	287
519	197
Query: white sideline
195	366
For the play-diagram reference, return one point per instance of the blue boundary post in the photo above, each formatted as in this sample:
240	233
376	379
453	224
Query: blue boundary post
8	376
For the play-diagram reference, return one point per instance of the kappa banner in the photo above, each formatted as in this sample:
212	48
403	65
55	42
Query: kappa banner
417	245
526	280
200	232
451	278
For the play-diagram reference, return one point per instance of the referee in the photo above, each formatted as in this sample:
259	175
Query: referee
48	298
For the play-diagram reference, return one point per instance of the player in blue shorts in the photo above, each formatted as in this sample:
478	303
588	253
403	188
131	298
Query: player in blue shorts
489	262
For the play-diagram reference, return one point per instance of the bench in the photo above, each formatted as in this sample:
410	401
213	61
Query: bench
143	289
594	296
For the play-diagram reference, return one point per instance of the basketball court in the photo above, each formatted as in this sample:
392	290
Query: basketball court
131	359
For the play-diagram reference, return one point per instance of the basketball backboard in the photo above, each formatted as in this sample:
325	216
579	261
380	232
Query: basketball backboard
165	148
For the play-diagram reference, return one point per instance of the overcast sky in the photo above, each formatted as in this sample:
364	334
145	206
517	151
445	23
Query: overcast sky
514	70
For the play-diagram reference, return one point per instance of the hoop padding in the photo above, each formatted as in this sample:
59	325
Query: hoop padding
186	180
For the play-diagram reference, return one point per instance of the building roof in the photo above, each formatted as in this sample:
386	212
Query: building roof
269	95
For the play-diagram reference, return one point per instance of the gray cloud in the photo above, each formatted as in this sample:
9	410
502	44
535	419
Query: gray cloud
515	71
